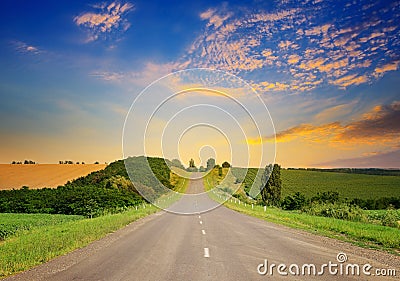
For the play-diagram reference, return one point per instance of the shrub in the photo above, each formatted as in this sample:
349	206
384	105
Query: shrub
390	218
342	211
326	197
295	202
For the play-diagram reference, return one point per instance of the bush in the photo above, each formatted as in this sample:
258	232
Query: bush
343	211
391	218
295	202
326	197
377	204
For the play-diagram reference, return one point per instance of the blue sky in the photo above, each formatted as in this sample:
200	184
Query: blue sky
327	70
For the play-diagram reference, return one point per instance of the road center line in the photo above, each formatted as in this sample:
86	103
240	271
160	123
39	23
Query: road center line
203	231
201	222
206	253
199	217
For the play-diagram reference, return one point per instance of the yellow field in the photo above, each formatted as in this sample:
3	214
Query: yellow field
43	175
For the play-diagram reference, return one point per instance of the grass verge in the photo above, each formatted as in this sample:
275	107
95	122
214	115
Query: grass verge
10	224
41	244
358	233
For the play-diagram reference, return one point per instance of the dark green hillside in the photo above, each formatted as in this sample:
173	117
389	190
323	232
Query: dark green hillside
108	190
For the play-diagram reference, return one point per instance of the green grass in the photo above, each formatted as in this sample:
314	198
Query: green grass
11	224
40	244
379	214
310	182
362	234
348	185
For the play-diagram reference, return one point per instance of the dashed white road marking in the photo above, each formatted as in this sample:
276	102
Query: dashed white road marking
206	253
201	222
199	217
203	231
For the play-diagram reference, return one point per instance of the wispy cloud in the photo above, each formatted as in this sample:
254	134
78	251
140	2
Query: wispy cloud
214	18
106	19
149	73
299	46
25	48
381	124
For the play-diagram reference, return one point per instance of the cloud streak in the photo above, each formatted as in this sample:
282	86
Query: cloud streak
380	125
25	48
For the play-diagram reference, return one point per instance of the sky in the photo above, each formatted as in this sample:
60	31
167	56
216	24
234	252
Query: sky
327	71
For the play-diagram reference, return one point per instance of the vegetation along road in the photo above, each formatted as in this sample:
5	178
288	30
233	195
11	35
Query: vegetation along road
217	245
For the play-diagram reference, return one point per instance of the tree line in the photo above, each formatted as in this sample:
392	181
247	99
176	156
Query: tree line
26	162
59	162
365	171
211	164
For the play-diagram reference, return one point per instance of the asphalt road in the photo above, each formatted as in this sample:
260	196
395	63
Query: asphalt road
217	245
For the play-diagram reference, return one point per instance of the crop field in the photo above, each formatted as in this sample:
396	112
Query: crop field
310	182
348	185
43	175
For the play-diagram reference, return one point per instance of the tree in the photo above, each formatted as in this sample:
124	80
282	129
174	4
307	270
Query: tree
226	165
191	163
177	163
210	164
271	185
202	169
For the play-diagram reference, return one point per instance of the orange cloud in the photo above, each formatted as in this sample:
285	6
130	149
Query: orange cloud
381	124
334	65
312	64
318	30
271	86
349	80
293	59
285	45
387	67
303	130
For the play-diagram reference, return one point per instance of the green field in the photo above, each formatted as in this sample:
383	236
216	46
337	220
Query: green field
310	183
368	233
11	224
41	243
348	185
